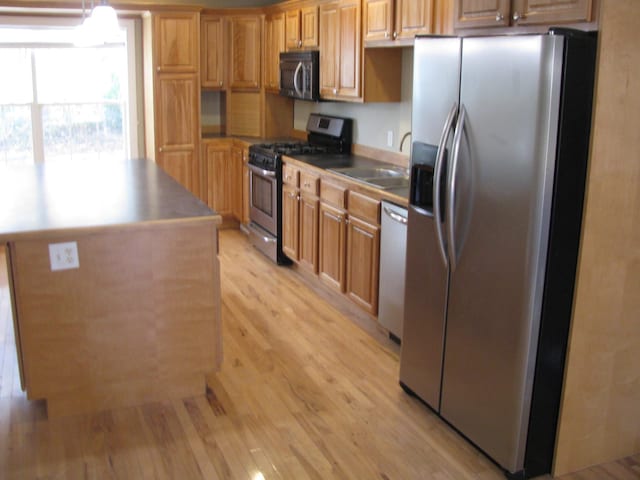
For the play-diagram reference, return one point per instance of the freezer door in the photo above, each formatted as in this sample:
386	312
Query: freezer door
424	310
510	88
436	85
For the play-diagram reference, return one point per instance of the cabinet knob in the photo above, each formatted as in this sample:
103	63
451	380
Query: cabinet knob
299	43
516	16
386	34
220	82
335	91
499	17
160	149
395	35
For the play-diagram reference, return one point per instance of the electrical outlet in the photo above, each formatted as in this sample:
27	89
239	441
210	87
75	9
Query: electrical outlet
389	138
64	256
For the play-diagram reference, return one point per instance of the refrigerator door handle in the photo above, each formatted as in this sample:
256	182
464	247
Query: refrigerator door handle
451	197
437	174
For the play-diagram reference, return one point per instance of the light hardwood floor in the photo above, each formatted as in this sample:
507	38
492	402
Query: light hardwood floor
304	393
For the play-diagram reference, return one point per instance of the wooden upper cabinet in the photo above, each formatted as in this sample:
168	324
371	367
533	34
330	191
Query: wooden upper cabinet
378	19
340	50
350	48
274	43
329	49
397	19
482	13
413	17
292	29
529	12
212	47
177	49
245	33
502	13
309	27
302	28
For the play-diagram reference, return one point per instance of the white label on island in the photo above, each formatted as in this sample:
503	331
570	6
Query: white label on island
64	256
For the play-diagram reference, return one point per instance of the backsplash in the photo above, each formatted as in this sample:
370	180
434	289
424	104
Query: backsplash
372	121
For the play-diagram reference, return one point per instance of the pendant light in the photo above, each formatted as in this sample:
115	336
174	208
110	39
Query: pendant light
100	27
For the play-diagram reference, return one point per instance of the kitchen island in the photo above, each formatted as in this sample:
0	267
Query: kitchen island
115	283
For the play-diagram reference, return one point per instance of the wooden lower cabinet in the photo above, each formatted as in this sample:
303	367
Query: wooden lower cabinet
363	253
290	221
332	255
217	185
237	182
246	201
308	242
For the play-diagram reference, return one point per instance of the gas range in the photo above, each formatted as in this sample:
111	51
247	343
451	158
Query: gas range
325	135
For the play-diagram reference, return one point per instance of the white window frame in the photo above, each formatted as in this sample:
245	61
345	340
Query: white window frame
131	113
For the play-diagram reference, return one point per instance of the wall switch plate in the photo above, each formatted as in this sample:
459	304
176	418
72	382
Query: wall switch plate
64	256
389	138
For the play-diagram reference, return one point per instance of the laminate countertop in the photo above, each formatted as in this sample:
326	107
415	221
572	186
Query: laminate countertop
90	194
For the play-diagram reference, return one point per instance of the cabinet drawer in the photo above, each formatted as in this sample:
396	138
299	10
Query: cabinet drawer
363	207
290	175
333	194
309	183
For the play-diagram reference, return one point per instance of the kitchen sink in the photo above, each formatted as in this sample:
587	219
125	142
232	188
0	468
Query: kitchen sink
380	177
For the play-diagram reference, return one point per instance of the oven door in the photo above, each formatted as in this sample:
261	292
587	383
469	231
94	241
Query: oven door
263	199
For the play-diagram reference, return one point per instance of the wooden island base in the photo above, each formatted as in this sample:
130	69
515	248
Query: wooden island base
137	321
137	317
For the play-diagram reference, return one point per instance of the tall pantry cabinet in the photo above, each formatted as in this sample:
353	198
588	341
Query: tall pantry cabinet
172	99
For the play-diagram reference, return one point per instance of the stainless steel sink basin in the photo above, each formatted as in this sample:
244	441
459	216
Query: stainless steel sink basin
371	172
380	177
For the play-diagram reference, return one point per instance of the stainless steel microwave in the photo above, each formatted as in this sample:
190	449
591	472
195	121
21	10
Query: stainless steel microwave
300	74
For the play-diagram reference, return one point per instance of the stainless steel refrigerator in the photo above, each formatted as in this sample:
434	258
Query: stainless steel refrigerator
498	164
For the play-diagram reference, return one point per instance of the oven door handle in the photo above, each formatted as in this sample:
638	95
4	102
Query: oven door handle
260	171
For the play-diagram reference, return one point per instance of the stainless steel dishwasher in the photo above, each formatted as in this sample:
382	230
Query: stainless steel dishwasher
393	253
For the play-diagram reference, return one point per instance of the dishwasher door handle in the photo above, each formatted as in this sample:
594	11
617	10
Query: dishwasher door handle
395	216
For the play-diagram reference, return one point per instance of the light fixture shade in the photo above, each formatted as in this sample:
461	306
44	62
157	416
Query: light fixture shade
99	28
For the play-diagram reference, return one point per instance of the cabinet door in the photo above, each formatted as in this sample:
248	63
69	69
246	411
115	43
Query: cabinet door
212	52
309	217
413	17
236	182
482	13
179	164
529	12
309	27
329	50
176	127
218	176
378	19
245	189
245	52
350	41
363	259
176	42
333	233
274	43
292	29
290	222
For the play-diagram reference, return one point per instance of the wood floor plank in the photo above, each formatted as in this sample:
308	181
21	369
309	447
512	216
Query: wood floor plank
308	390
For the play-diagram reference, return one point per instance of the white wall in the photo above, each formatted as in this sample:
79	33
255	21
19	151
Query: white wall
372	121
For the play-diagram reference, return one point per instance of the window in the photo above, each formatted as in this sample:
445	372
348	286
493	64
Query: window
60	102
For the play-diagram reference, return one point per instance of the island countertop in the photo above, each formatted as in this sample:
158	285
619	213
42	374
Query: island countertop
70	195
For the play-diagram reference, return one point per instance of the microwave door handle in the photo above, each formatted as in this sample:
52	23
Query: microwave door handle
295	79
